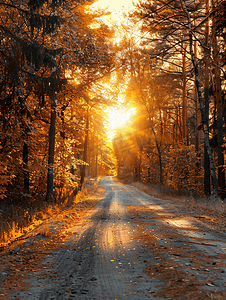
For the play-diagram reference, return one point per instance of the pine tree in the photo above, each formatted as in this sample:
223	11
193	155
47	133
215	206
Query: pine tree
49	48
26	60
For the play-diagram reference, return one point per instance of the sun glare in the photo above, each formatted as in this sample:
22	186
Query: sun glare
116	9
114	5
118	117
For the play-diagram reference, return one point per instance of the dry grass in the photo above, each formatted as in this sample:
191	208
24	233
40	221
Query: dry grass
164	192
178	282
211	211
20	224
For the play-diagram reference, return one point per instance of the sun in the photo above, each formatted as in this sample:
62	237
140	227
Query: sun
116	9
118	117
116	5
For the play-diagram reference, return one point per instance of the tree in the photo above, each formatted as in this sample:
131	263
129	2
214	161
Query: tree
25	61
58	52
172	27
156	92
218	101
201	102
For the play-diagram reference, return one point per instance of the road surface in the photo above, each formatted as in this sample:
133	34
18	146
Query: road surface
134	246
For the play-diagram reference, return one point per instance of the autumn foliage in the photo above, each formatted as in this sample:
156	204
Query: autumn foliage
177	84
62	66
51	57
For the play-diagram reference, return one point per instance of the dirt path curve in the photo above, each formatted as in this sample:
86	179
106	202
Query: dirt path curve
134	246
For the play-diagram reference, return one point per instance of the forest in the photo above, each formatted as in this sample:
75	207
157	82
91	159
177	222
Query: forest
64	69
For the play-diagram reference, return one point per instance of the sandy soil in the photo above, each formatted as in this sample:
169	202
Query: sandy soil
127	246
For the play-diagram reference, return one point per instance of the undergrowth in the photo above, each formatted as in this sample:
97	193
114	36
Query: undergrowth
16	220
209	204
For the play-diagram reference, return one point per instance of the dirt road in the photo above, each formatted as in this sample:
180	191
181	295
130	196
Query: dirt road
133	246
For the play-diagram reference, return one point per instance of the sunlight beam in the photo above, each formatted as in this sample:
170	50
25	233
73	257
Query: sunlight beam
118	117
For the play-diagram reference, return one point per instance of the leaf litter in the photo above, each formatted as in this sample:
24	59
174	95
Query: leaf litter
178	283
18	262
26	257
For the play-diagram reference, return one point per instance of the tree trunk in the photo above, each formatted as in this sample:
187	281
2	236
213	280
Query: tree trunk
207	186
96	164
52	134
218	100
25	168
140	162
160	168
197	119
83	167
202	107
96	157
184	105
160	158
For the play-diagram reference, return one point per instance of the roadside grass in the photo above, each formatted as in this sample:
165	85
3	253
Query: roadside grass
21	222
164	192
178	281
210	210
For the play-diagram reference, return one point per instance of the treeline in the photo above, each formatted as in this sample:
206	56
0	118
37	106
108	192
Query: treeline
53	57
57	58
177	84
